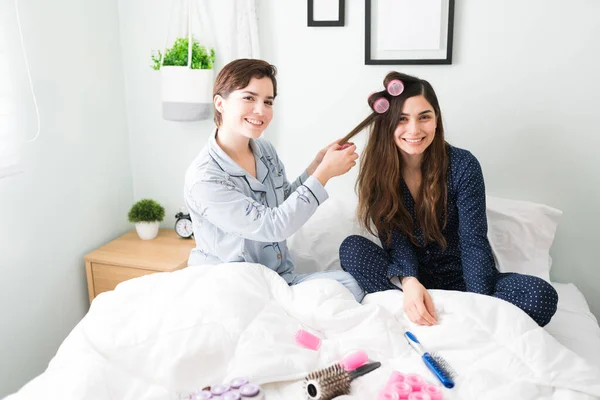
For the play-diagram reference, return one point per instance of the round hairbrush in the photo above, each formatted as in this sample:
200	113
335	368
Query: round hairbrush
333	381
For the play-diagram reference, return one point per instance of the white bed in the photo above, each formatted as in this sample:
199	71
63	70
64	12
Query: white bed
574	325
164	335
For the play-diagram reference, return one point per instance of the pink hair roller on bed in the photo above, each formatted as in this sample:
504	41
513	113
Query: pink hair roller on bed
415	381
433	391
354	360
308	340
396	377
388	395
395	87
419	396
402	389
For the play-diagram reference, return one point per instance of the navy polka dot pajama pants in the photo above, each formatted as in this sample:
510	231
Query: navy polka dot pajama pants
369	263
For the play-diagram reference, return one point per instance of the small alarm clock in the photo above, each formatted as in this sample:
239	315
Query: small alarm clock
183	225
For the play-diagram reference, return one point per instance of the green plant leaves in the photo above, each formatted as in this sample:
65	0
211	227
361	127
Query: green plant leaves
178	55
146	210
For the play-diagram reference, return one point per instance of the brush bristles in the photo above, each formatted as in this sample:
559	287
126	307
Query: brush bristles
327	383
444	365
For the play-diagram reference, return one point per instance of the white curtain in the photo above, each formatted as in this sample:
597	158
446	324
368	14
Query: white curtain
247	29
234	26
8	132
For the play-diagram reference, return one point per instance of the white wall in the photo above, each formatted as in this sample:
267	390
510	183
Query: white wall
521	94
162	150
76	186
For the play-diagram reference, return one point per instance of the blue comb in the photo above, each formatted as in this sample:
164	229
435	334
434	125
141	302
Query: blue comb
440	367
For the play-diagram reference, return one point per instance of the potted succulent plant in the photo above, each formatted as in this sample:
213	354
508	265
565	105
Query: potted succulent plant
146	215
186	81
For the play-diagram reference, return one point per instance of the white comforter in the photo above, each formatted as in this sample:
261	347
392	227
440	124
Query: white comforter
163	335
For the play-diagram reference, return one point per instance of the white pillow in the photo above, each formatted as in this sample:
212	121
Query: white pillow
521	234
315	246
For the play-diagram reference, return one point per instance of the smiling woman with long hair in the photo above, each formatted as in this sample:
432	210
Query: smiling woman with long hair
425	199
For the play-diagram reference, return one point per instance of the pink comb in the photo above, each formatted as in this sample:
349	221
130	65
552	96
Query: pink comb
354	360
395	87
308	340
381	105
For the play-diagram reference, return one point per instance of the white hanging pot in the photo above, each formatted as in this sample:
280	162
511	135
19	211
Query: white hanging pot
147	230
186	93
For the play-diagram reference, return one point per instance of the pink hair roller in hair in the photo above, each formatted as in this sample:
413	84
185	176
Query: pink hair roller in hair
419	396
402	389
415	381
433	391
354	360
381	105
395	87
308	340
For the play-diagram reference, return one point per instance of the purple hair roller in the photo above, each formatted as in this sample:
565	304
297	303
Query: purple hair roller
219	389
231	396
251	390
237	383
203	395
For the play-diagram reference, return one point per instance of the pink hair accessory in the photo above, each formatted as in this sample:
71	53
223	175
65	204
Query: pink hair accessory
395	87
388	395
354	360
396	377
308	340
433	391
415	381
402	389
381	105
419	396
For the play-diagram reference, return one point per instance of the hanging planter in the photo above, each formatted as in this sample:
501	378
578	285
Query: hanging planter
187	77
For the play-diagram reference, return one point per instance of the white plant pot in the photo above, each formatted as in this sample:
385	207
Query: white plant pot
147	230
186	93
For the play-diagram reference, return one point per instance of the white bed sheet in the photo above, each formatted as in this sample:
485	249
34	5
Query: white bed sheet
574	325
161	335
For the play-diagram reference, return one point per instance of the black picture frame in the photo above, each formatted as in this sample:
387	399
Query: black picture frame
417	57
339	22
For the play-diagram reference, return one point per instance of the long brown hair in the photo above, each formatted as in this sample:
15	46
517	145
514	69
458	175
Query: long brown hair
379	185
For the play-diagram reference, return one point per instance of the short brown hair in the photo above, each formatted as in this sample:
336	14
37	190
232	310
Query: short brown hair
237	75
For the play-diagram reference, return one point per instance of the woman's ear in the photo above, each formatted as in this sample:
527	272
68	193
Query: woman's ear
218	101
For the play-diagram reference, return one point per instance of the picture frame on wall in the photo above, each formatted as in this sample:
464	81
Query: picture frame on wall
408	32
326	12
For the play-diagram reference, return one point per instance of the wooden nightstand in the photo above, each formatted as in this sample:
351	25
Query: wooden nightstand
129	256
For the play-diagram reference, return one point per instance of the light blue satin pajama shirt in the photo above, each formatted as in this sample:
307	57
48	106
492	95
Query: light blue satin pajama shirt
239	218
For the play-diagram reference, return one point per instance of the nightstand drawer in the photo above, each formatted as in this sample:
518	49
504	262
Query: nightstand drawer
128	257
107	277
